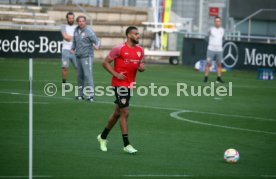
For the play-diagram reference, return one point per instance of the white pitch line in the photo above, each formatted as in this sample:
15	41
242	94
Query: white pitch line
268	176
151	175
21	102
158	83
179	176
153	107
175	115
233	115
201	112
26	176
101	102
216	98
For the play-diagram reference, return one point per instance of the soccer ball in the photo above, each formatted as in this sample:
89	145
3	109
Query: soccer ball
231	156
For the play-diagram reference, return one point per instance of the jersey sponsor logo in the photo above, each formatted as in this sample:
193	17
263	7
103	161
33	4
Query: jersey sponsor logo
135	61
127	61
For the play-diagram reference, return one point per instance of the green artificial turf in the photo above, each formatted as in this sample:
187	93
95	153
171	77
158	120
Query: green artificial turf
189	145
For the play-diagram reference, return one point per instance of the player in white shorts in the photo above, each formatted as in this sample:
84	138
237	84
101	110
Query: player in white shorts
67	32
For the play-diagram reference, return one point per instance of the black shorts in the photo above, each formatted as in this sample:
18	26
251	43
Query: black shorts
122	95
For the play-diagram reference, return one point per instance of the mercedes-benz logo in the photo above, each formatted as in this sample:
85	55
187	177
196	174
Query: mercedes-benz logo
231	56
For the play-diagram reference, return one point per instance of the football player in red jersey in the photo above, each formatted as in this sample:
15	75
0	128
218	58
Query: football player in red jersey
127	59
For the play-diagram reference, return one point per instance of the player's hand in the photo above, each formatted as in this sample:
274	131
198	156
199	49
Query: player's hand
141	67
72	51
120	76
96	47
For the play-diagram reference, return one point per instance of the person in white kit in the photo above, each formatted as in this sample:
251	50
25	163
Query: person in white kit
67	32
215	49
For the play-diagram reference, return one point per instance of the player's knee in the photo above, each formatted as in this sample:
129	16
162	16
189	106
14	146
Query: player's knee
88	77
124	112
116	114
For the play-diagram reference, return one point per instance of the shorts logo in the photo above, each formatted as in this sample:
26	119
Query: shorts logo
123	101
139	54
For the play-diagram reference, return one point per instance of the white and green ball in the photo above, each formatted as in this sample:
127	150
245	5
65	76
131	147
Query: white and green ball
231	156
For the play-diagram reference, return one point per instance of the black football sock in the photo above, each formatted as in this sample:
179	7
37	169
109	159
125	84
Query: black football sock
125	139
63	81
105	133
220	80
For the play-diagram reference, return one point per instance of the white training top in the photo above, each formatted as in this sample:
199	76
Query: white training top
69	30
216	39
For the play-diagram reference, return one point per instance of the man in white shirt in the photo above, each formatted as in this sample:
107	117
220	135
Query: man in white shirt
67	32
215	49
